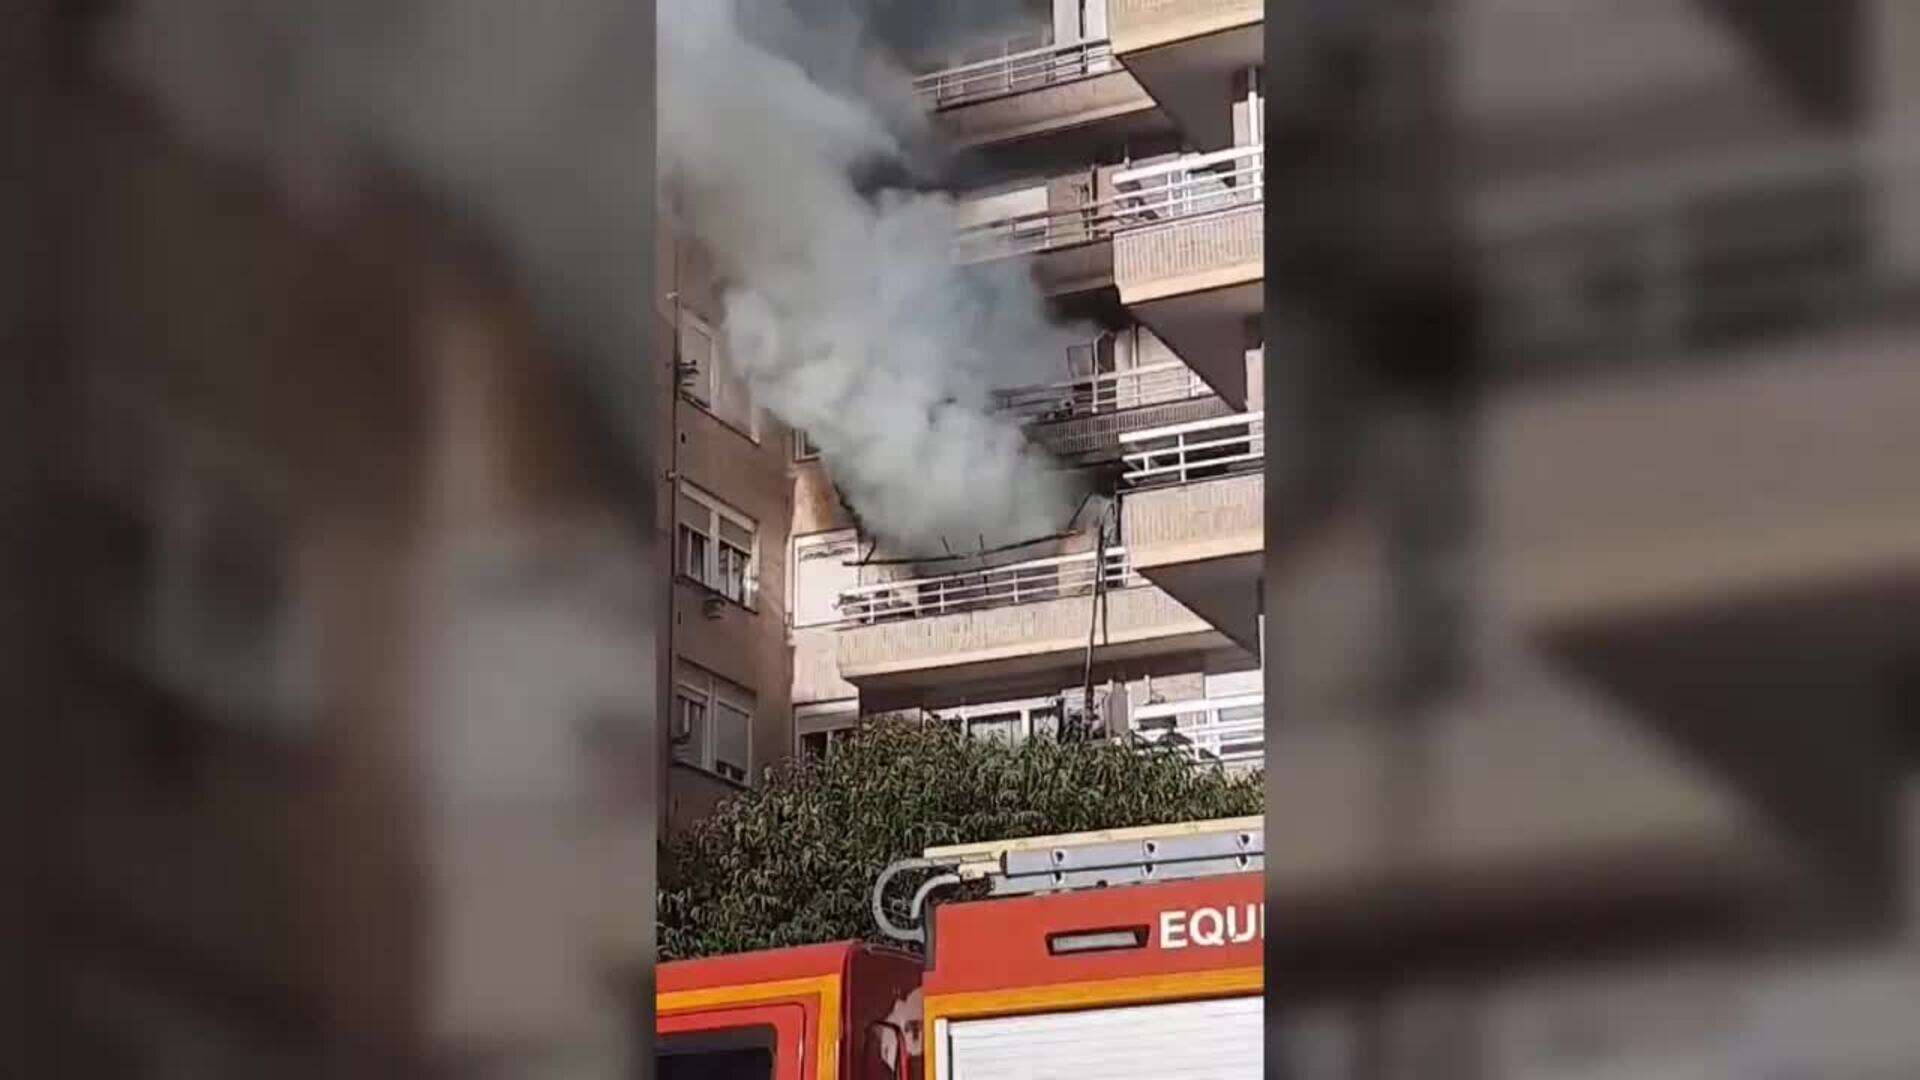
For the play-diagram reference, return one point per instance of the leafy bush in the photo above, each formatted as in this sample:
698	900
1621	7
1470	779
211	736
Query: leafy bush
793	861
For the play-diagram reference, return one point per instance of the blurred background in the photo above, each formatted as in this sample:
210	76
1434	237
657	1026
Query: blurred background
329	580
1593	539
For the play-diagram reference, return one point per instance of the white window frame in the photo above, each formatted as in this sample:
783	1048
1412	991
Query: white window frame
703	389
1256	107
1027	709
829	538
803	448
833	737
698	697
709	571
836	720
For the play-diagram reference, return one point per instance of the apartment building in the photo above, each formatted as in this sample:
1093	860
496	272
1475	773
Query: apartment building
1115	154
729	464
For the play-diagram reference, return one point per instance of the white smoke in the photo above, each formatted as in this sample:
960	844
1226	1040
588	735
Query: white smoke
848	315
845	312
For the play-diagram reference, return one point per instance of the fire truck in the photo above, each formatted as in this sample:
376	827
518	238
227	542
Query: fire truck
1131	953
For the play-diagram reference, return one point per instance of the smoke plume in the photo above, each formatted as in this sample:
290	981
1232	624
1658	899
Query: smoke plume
845	310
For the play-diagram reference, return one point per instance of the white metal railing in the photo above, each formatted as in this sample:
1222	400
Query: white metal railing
1038	230
1188	186
1014	73
1196	450
1229	730
1108	391
1015	583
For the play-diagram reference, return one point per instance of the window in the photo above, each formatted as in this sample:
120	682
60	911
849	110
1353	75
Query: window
732	732
821	745
708	378
1249	107
1007	725
697	352
1044	722
712	723
694	552
690	730
822	727
724	1054
821	571
803	448
1019	214
1009	720
748	1064
717	547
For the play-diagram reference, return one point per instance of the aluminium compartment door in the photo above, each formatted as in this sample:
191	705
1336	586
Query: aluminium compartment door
1190	1040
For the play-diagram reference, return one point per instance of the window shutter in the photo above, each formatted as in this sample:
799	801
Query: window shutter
737	535
732	737
695	514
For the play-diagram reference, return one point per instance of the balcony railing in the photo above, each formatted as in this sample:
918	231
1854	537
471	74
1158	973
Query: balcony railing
1040	230
973	590
1199	450
1014	73
1228	730
1187	187
1109	391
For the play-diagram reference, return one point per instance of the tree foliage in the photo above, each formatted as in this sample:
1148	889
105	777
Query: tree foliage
793	861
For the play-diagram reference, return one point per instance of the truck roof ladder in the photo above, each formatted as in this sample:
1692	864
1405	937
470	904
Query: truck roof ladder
1088	860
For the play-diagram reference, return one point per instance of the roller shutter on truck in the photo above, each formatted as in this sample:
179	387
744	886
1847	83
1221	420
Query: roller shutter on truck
1190	1040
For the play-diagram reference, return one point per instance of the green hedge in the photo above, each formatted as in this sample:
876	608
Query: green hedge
793	861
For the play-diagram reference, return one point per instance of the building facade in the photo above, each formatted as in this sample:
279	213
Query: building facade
729	499
1117	159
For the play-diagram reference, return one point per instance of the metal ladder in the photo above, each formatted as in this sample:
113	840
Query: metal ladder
1087	860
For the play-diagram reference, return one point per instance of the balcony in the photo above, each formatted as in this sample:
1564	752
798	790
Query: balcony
1193	514
1070	243
1016	583
1229	731
1201	450
1188	258
1185	52
1036	92
1083	421
1024	627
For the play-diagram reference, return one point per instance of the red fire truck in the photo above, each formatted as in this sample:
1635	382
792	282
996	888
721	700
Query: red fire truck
1131	953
